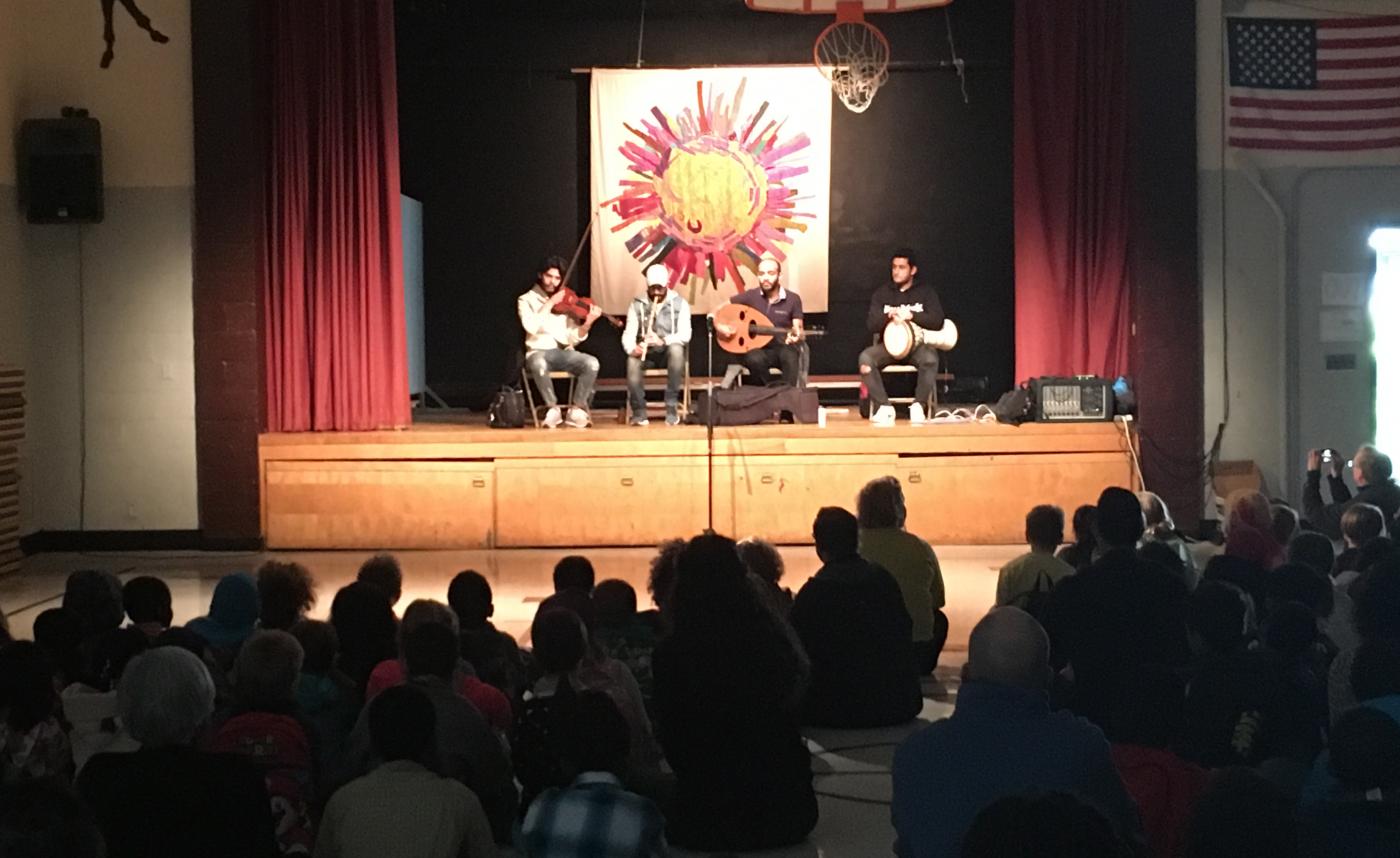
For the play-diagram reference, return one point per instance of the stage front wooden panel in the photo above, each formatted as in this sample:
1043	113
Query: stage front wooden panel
462	486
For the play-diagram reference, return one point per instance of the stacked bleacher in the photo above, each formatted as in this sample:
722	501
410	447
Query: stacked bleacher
11	434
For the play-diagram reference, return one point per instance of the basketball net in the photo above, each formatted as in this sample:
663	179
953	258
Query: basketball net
854	56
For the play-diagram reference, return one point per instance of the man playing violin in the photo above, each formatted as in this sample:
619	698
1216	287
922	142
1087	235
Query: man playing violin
902	300
658	328
550	340
784	309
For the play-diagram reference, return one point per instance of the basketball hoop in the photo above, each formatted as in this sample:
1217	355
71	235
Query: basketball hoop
854	55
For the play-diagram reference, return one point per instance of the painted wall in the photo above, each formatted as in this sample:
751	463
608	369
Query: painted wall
107	327
1269	229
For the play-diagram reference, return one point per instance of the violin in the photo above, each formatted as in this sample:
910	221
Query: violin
574	305
577	307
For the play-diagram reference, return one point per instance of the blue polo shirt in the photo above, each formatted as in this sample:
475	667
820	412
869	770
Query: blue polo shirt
782	311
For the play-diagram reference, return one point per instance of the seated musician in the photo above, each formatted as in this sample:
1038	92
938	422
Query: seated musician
658	328
550	341
784	309
902	300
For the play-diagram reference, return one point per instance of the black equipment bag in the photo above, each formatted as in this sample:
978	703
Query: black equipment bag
745	406
508	410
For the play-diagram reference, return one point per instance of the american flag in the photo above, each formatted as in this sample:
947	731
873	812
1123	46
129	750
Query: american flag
1331	84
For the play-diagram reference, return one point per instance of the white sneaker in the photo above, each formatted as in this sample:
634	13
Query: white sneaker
883	416
578	418
916	414
640	421
553	418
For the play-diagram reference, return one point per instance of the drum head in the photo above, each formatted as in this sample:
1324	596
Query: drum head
899	339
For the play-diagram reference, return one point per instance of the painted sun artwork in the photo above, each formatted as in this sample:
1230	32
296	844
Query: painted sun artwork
706	172
711	192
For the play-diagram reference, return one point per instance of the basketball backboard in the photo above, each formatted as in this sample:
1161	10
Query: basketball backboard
828	7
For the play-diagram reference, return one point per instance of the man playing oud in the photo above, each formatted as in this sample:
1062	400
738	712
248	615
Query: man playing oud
902	300
784	309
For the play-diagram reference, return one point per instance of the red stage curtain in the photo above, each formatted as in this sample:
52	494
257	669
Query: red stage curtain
333	309
1071	188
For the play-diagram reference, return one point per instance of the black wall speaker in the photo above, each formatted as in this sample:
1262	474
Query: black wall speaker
60	170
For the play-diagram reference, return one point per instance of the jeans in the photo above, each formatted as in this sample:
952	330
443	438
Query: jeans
925	357
784	357
673	358
584	367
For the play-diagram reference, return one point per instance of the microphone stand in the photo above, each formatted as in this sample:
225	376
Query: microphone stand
710	424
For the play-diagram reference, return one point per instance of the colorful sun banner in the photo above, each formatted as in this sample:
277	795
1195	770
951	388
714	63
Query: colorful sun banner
706	171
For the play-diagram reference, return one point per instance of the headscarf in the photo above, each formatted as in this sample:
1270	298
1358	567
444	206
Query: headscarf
233	613
1249	531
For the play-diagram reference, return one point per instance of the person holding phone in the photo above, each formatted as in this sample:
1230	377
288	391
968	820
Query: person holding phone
1370	470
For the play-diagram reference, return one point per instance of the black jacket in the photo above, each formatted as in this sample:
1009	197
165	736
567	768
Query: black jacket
921	299
1328	517
853	623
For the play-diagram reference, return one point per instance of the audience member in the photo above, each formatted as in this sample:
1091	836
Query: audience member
1349	807
383	573
1120	613
574	572
1026	582
1370	470
1241	708
402	807
1285	520
326	697
729	683
167	798
851	620
661	581
286	592
622	634
1146	726
91	711
367	629
1002	739
491	702
1249	531
493	653
1242	815
884	541
95	598
1361	523
232	618
59	633
1080	553
765	567
1160	529
466	748
146	599
1376	618
1312	549
594	815
33	743
44	819
1042	824
266	728
568	662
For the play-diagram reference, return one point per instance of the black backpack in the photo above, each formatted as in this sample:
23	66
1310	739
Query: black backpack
507	410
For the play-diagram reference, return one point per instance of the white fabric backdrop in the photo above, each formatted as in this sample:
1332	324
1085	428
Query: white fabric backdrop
710	188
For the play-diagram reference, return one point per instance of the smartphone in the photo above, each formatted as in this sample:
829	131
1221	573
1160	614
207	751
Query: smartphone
1327	455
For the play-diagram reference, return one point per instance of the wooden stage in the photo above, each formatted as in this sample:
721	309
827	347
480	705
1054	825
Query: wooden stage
462	485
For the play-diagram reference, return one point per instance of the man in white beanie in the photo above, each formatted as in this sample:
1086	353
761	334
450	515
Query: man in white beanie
657	331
